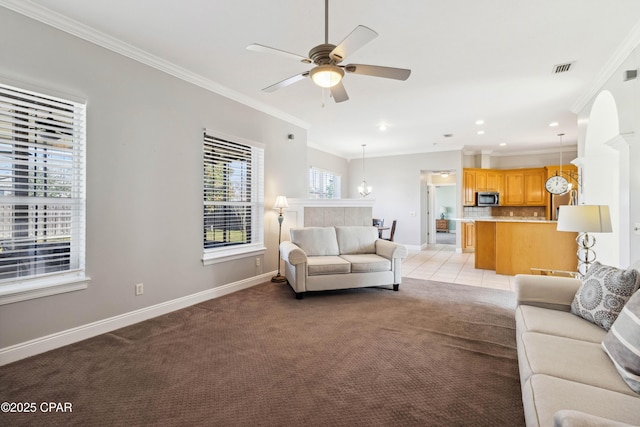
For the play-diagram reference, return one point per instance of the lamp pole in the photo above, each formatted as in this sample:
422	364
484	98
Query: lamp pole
281	203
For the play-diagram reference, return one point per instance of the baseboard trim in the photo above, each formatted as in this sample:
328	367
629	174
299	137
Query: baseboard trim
60	339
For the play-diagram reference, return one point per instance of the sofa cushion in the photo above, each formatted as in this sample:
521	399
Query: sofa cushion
544	395
367	263
356	239
317	265
603	293
559	323
573	360
316	241
622	343
569	418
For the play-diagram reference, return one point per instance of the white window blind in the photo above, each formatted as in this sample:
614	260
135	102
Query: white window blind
323	184
42	142
233	194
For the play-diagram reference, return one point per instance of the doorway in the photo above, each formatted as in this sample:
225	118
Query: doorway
440	207
445	211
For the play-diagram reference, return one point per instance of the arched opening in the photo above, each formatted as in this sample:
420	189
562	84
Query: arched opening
605	165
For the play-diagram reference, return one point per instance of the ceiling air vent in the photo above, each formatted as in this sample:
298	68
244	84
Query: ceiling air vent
562	68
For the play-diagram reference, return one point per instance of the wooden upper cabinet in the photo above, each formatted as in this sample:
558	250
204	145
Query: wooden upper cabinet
475	180
534	191
481	180
494	180
513	194
524	187
469	187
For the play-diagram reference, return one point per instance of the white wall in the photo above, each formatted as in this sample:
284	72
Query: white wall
144	177
624	177
397	189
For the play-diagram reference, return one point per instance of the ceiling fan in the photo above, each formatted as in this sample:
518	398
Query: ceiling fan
328	73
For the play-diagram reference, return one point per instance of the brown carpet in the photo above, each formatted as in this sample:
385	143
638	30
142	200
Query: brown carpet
433	354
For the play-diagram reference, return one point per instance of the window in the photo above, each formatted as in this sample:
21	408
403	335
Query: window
42	205
323	184
233	198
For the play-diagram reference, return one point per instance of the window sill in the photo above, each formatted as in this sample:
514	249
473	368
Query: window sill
42	287
216	256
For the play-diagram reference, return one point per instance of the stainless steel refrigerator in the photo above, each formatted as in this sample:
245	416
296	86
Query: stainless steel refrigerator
558	200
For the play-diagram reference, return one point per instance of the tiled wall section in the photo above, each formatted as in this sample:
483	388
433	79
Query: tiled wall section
518	211
331	216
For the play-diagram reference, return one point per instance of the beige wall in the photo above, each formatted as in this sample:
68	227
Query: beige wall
144	177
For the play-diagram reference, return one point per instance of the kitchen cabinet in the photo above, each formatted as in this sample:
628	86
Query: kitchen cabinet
534	191
468	236
524	187
513	194
469	187
494	180
515	247
475	180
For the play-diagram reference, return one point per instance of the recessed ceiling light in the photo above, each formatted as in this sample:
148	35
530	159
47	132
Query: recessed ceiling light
503	144
479	122
480	132
553	124
382	127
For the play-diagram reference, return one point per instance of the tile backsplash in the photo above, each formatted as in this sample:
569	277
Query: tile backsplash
518	211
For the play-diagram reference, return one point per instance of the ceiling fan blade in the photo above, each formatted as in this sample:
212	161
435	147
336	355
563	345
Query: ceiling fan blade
378	71
354	41
266	49
286	82
339	93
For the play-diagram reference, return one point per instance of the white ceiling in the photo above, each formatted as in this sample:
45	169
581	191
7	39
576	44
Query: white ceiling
491	60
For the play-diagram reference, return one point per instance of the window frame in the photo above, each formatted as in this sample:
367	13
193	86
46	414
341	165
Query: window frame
324	172
256	246
22	288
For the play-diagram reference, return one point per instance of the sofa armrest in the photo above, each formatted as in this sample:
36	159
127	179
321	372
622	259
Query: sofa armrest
390	250
546	291
291	253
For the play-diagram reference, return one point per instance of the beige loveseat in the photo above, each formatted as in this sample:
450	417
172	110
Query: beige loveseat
566	376
341	257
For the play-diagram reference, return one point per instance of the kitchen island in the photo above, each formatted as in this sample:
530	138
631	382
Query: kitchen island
515	245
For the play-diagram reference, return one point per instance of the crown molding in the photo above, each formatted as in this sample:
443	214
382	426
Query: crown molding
619	56
75	28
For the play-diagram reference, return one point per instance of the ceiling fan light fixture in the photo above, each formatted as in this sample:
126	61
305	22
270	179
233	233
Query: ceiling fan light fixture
326	75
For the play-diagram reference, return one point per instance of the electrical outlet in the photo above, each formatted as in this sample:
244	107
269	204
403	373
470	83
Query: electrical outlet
139	289
511	213
257	262
535	214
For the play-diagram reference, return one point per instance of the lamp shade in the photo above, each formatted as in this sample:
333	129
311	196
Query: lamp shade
281	203
584	218
443	209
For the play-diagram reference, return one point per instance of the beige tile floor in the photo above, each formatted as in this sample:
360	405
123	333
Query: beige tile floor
441	263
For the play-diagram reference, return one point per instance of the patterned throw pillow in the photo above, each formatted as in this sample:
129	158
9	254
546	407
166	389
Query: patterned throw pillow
622	343
603	293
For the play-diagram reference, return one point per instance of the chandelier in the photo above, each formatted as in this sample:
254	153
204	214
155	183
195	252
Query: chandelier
364	189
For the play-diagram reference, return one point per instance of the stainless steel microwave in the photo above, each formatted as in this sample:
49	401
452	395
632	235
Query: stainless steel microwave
487	198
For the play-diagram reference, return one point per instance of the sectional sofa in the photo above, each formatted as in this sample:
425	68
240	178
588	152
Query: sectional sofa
567	378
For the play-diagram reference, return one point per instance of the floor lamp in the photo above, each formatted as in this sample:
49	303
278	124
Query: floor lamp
281	203
585	219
